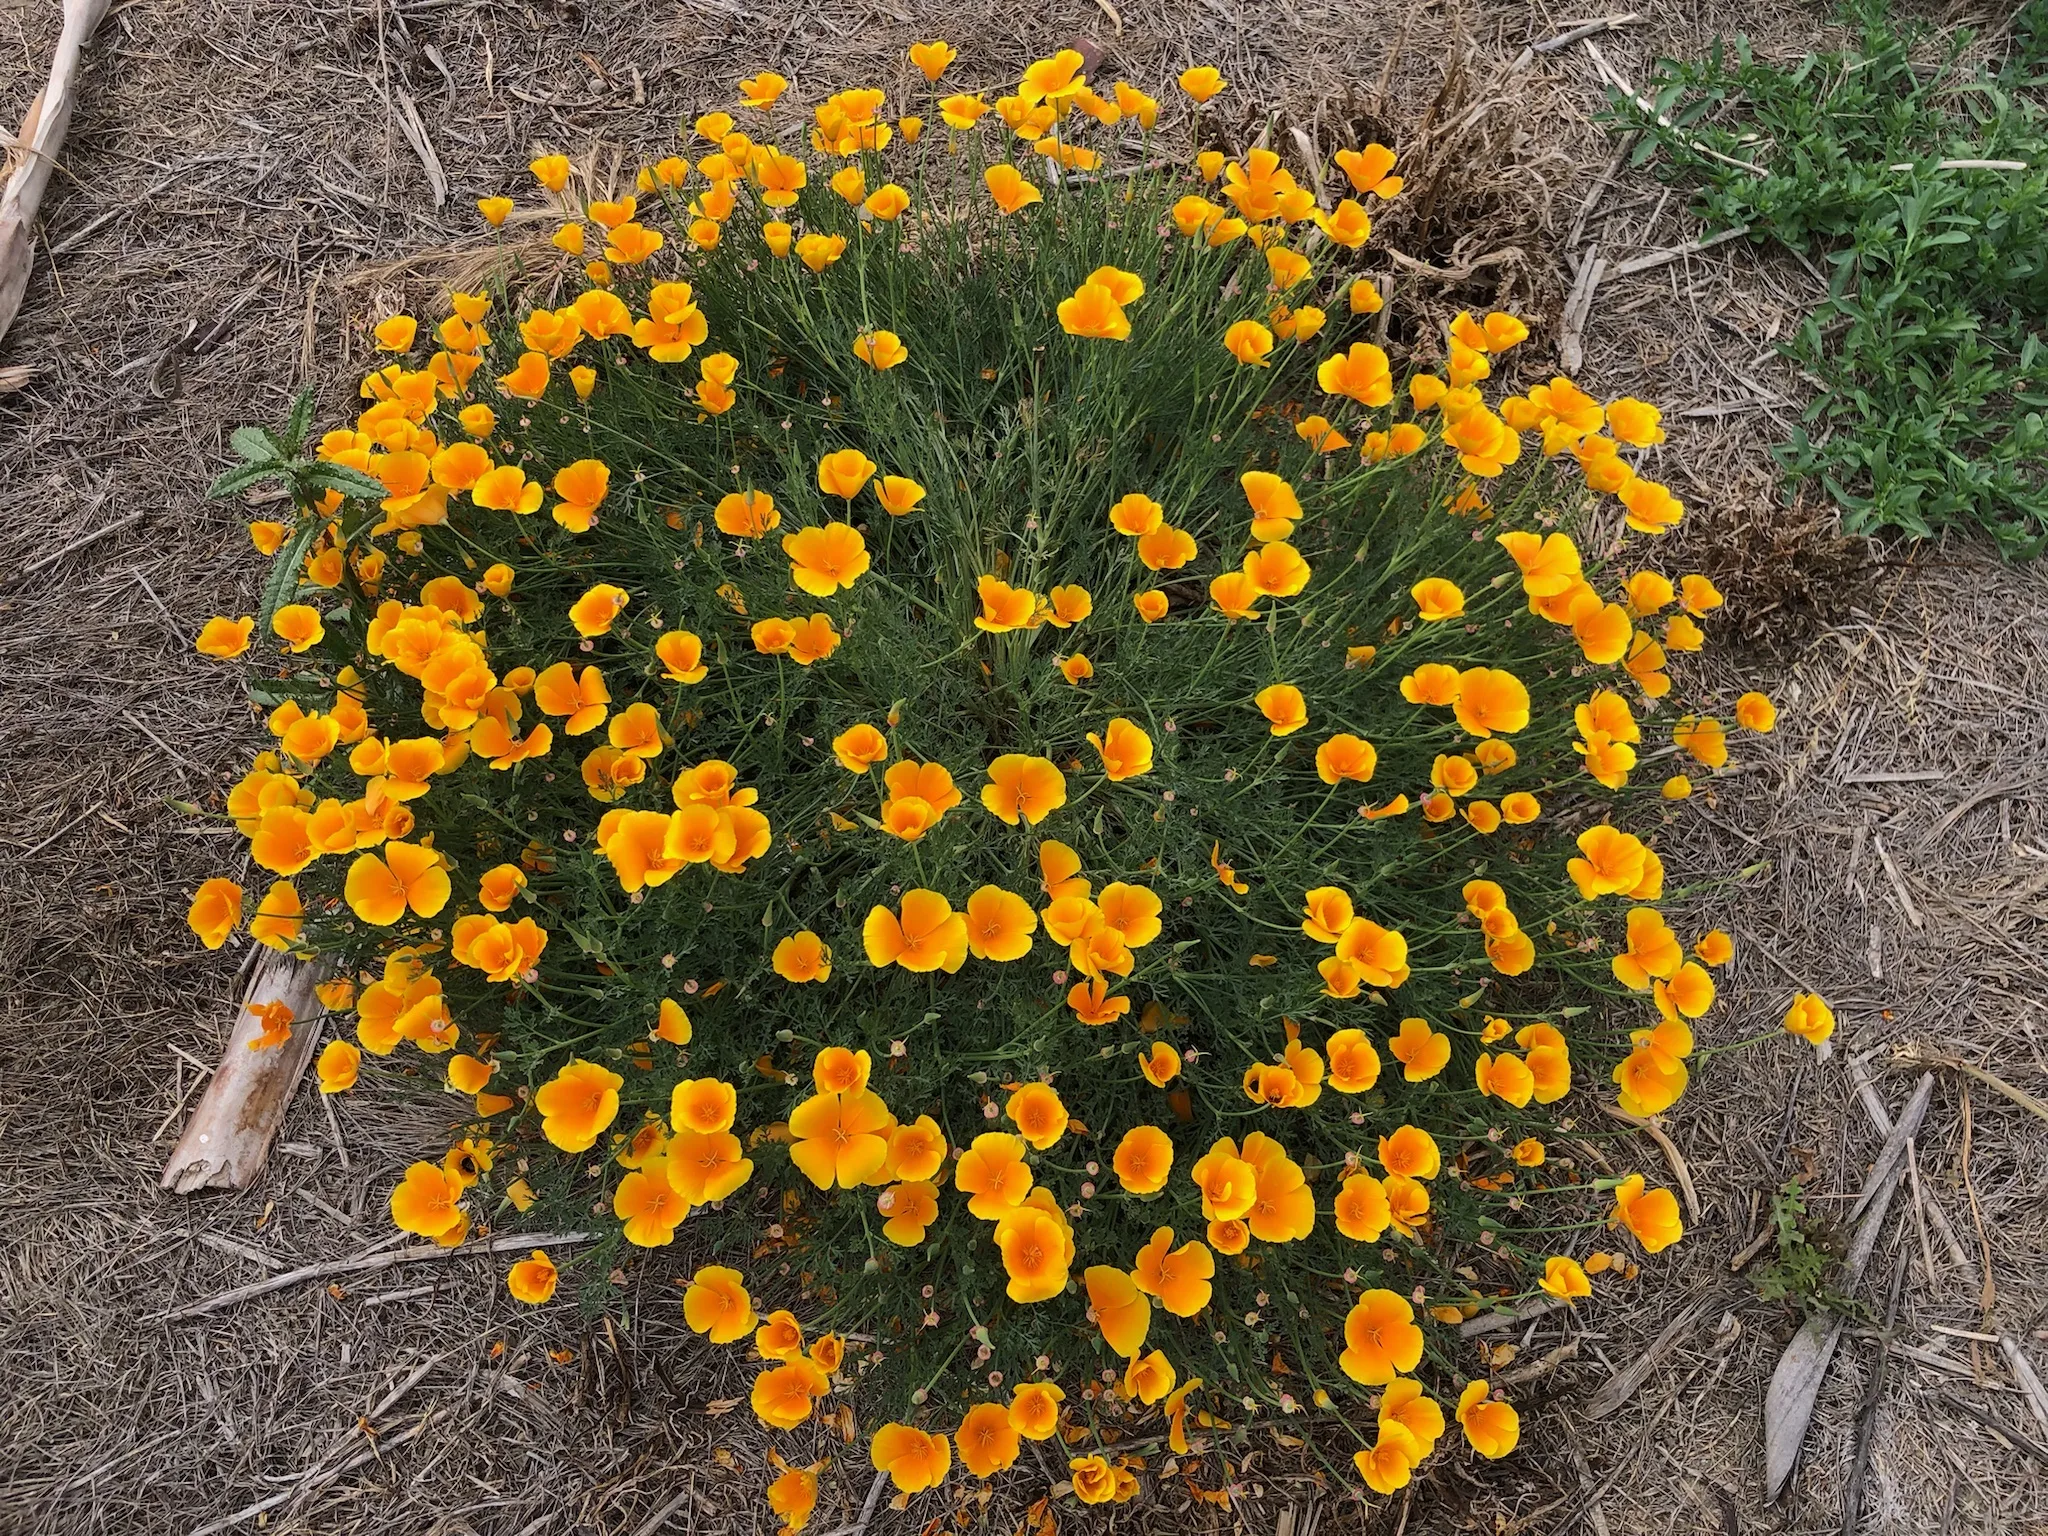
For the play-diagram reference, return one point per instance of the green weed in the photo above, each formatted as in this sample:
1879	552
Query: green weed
1926	356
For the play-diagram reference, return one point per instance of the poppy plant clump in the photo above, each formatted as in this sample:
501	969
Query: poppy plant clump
942	728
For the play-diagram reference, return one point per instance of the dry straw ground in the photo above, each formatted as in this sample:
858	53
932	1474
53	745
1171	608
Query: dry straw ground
239	196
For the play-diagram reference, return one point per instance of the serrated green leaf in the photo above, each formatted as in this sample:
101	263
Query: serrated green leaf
240	478
340	477
258	445
301	422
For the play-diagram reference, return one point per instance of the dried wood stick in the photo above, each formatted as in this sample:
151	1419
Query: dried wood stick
369	1262
1679	1171
228	1137
1678	252
42	136
1615	79
1918	1055
44	562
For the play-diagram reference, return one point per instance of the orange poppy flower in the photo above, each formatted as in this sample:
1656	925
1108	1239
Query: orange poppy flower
1422	1051
988	1441
927	935
841	1138
1381	1340
1178	1277
1362	1210
1493	1428
913	1459
1037	1252
1028	787
782	1397
577	1104
824	559
717	1305
427	1202
1143	1159
993	1173
1125	749
1122	1311
379	890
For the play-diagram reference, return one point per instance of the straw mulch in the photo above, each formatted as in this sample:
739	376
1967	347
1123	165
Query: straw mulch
240	197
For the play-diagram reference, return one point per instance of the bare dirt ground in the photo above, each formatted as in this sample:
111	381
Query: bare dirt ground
238	197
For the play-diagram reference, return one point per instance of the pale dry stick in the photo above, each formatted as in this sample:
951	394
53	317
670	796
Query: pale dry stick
1891	870
1615	79
42	136
318	1478
1920	1055
1655	1132
867	1508
1456	274
161	607
1969	165
1599	190
1596	1517
221	1243
659	1518
334	1127
1624	1384
1941	1221
1550	1361
409	1293
77	821
1497	1322
228	1138
371	1261
2004	1430
168	750
1987	1295
2030	1381
114	1461
82	542
190	1089
1796	1381
1578	309
415	131
1679	252
1565	39
1920	1213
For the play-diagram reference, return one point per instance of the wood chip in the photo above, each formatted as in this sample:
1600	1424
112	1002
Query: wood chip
1655	1132
1624	1384
42	137
1795	1384
228	1137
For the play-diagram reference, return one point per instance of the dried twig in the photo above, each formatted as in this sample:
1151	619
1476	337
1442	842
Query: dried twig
1625	1383
44	562
1578	309
1916	1054
228	1137
1679	252
1615	79
1669	1148
1997	1426
1796	1383
42	136
1866	1420
366	1263
319	1477
1496	1322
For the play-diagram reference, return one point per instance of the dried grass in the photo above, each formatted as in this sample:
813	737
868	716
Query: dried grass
238	198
